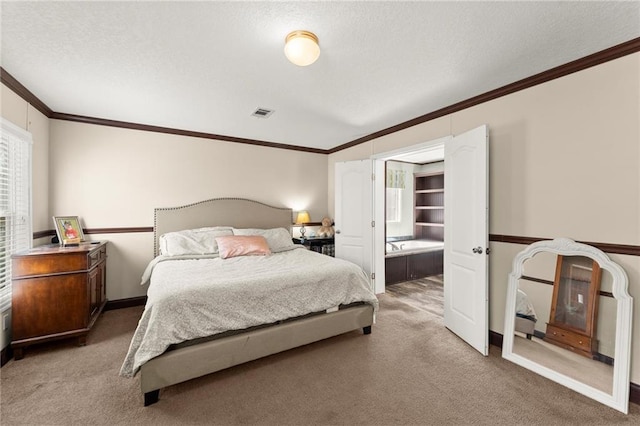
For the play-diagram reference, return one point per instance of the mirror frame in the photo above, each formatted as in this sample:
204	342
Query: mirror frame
619	399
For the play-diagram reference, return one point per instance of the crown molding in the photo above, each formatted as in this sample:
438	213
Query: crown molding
615	52
13	84
180	132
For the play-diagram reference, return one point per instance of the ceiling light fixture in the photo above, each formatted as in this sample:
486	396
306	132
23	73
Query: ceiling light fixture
301	47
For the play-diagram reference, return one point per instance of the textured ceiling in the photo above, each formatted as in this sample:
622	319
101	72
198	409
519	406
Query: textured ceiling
206	66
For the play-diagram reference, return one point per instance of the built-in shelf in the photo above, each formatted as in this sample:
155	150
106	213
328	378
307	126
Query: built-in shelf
428	204
429	191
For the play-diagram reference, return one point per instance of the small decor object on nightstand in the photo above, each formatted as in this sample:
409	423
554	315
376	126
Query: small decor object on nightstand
68	230
326	230
301	219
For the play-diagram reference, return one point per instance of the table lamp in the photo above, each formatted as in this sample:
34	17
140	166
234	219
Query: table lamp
301	219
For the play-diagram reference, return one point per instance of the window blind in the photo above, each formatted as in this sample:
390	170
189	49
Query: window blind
396	178
15	201
394	205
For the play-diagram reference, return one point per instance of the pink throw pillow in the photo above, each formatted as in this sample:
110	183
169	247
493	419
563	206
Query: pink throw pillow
242	245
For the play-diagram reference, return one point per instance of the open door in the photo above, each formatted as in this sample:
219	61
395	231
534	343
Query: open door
353	213
466	289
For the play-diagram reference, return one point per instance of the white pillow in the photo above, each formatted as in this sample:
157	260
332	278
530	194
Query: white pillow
192	241
279	239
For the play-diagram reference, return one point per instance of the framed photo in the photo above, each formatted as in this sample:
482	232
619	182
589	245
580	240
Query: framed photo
68	229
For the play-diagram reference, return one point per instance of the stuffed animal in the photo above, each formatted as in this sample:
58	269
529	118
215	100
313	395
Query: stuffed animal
326	230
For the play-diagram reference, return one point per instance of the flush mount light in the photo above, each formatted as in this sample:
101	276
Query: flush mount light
301	47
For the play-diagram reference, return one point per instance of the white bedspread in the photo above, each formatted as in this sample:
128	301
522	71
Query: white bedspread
193	298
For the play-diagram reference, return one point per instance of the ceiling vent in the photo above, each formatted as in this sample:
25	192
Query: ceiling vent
262	113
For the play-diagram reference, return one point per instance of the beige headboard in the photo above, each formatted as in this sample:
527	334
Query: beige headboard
236	212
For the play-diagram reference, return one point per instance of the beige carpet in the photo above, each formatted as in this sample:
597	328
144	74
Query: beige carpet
591	372
410	370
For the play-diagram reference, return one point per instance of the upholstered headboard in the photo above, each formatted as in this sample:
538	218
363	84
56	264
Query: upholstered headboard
236	212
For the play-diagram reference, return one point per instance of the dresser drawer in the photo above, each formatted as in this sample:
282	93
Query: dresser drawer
48	260
46	264
93	258
567	337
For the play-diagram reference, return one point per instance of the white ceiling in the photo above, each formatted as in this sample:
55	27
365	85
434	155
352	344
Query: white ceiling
206	66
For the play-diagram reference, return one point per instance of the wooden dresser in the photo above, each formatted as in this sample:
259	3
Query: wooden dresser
57	293
574	305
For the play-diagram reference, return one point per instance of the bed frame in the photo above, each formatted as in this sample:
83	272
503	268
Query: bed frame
525	326
193	361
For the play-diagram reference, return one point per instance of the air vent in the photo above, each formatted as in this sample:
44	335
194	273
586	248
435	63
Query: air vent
262	113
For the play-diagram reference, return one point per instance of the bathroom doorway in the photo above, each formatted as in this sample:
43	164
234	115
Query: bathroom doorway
466	265
414	232
414	158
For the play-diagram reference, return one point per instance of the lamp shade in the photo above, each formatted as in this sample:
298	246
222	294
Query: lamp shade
303	217
301	47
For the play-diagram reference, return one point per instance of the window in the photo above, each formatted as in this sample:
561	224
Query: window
394	202
15	202
395	185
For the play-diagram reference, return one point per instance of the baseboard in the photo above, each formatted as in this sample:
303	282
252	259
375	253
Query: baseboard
496	339
5	355
125	303
634	393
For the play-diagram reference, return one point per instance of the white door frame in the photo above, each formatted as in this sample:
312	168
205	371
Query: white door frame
436	147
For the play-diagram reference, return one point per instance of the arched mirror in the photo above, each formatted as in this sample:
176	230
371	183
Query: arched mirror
568	317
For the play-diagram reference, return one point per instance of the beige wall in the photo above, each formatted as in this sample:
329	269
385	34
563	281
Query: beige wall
564	161
113	177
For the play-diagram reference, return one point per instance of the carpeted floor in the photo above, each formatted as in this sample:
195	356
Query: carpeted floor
410	370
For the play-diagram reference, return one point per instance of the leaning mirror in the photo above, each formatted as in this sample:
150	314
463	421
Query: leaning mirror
568	318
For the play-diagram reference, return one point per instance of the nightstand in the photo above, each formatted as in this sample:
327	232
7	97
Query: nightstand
320	245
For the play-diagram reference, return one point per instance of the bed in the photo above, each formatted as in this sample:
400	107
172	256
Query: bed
276	306
525	315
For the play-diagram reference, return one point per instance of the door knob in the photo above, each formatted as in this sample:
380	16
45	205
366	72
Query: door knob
477	250
337	231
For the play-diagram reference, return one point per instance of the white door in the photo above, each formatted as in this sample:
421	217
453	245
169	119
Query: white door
353	211
466	289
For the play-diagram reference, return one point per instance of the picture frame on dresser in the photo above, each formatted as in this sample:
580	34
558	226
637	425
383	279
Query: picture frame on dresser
68	230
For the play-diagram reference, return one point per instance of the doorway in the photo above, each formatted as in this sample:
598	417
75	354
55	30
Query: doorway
425	158
466	238
414	233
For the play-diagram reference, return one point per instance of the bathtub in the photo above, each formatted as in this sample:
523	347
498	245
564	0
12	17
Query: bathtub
412	259
404	248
